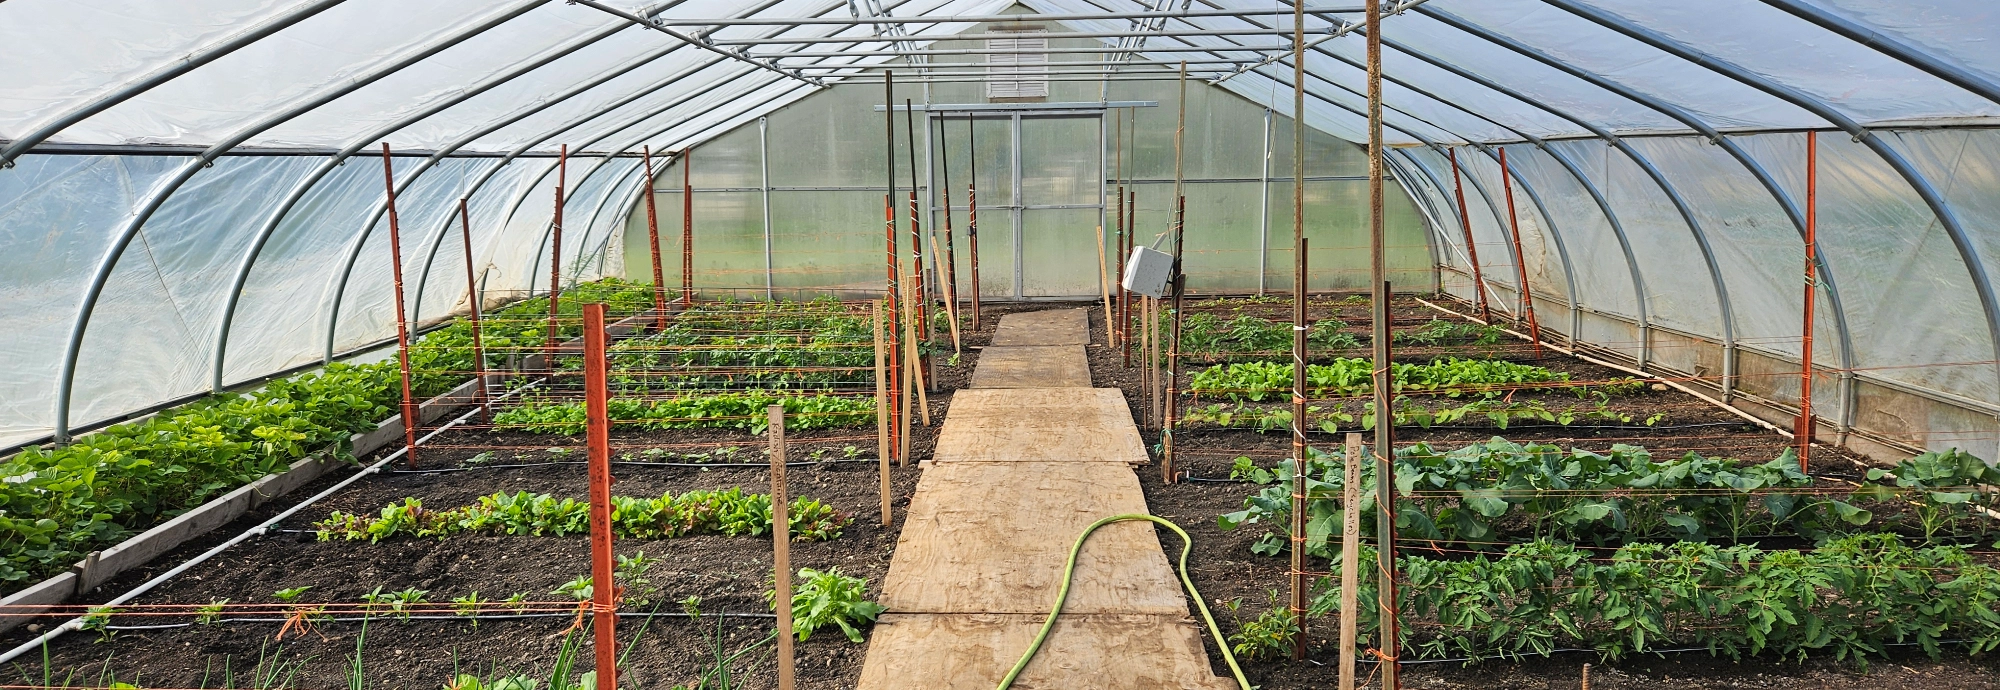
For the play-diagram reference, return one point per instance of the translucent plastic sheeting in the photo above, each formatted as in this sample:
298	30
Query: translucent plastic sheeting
1957	31
524	219
367	312
57	216
1538	252
1490	239
1913	313
1680	289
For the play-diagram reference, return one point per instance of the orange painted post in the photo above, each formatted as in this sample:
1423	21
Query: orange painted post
891	287
781	553
1803	432
687	227
1520	260
653	240
603	592
1471	250
411	418
555	260
479	393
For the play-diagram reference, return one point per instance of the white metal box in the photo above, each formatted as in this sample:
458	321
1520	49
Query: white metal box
1147	272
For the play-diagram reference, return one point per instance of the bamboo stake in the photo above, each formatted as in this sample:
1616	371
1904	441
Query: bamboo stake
881	410
1350	559
781	553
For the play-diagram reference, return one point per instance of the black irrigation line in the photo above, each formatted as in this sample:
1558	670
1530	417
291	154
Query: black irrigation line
386	616
631	463
1529	655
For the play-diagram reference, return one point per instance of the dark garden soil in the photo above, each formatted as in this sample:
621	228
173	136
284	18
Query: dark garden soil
728	574
1225	570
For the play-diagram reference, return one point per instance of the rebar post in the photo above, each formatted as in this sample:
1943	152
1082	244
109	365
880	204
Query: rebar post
1803	432
1299	285
409	410
1471	250
555	263
891	288
1385	415
687	227
653	241
473	307
1520	259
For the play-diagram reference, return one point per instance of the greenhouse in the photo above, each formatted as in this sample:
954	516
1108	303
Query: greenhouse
1074	343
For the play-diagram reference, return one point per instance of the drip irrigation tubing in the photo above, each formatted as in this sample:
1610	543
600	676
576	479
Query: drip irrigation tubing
1069	573
387	616
253	532
1527	655
729	465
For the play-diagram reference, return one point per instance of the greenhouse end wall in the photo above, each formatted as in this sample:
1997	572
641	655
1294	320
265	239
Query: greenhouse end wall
819	164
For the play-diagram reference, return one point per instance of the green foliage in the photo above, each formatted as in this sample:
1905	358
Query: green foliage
746	411
1454	377
1442	332
1945	487
1205	334
726	512
1850	597
827	597
1501	491
1270	635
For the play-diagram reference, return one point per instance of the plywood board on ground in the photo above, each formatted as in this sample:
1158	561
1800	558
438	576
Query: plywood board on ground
993	538
1051	327
1039	425
1055	366
1101	652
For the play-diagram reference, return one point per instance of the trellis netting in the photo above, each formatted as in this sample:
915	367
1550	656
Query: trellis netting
193	196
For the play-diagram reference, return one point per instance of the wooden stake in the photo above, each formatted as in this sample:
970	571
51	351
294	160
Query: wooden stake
1104	289
916	364
1350	559
881	410
781	552
597	424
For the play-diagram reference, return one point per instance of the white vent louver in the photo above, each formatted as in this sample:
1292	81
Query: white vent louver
1020	74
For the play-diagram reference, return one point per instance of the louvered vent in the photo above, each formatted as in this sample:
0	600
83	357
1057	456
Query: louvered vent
1022	73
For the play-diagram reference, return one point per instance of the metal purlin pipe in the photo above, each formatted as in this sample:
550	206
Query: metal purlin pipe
1770	184
1960	239
1604	206
55	124
66	378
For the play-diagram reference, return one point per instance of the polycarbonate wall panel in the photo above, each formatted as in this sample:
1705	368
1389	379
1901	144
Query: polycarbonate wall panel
58	215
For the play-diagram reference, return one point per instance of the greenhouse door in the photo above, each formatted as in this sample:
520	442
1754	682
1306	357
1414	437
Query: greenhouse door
1041	199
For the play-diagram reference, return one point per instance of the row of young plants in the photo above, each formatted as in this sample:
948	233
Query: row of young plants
1486	495
1352	377
1208	335
745	411
816	345
728	512
1852	597
1500	413
58	504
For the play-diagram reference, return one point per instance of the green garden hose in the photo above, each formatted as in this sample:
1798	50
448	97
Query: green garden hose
1069	573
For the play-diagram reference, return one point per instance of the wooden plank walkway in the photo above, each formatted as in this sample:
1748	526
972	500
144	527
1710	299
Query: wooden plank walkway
1028	457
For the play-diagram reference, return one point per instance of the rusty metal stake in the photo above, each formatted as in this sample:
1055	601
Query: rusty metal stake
479	393
950	250
555	262
603	593
1471	251
653	240
411	414
687	227
892	289
1520	259
1802	432
781	552
972	210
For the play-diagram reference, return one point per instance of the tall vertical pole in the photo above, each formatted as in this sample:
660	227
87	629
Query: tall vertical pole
972	209
1300	583
603	596
555	261
1804	431
1471	250
411	418
1114	325
891	288
479	393
764	192
1168	409
1520	259
1264	206
1385	418
919	300
1132	242
881	410
781	551
950	250
687	227
653	241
